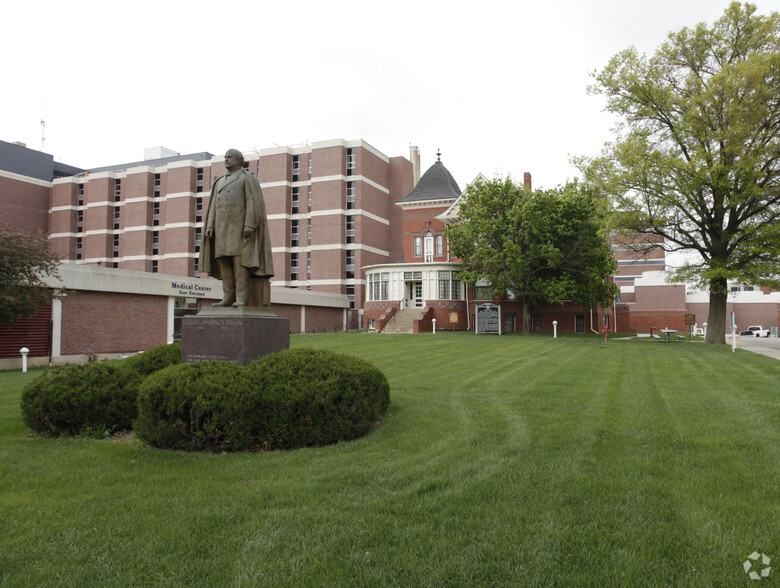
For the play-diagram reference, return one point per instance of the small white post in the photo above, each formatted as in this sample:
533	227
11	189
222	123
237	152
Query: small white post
24	351
434	326
555	329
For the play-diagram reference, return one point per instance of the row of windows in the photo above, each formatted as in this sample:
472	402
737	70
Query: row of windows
424	246
449	285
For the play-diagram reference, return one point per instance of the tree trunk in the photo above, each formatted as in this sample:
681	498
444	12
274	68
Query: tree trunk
716	321
527	322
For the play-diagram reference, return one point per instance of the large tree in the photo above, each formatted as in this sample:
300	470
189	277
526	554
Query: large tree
696	158
543	246
24	260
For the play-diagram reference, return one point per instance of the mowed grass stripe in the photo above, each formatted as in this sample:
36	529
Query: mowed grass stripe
509	460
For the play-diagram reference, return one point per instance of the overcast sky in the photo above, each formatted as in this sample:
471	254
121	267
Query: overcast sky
499	86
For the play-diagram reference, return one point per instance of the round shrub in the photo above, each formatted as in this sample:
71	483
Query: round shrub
93	396
194	406
307	397
296	398
155	359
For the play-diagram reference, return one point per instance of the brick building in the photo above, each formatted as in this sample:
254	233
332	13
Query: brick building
330	209
352	231
423	286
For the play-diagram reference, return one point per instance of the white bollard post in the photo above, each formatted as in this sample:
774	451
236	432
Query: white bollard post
24	351
555	329
434	326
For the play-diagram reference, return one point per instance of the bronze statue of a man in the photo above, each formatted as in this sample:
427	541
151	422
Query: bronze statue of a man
237	246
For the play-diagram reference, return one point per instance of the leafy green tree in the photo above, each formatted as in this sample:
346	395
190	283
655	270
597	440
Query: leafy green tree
696	159
543	246
24	260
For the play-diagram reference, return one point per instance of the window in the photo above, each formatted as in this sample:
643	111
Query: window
308	266
428	246
294	201
156	214
483	291
296	168
154	266
379	286
116	246
81	195
350	264
79	221
308	233
579	323
537	323
444	286
309	165
351	295
350	195
116	217
293	233
417	247
439	245
350	227
117	190
198	239
308	198
78	247
157	182
198	209
293	267
199	180
449	285
155	242
351	162
412	275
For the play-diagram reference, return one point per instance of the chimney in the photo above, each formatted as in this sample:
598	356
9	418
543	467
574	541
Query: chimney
527	181
414	156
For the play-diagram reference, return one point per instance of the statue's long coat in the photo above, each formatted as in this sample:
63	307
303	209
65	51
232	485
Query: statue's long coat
234	204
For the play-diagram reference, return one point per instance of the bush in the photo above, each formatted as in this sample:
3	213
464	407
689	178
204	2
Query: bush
194	406
94	400
308	397
93	396
155	359
296	398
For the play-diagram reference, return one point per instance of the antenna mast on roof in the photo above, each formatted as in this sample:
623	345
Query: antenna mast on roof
43	133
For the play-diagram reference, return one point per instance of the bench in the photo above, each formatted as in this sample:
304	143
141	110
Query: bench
656	337
681	337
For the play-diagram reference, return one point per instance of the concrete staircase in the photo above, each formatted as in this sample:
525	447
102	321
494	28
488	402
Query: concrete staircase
403	321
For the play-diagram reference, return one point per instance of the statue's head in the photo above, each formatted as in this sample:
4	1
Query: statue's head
234	159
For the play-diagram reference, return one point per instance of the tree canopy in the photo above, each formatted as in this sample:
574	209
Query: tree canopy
24	260
543	246
696	158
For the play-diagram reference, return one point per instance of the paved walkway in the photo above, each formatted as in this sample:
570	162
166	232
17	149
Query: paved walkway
769	346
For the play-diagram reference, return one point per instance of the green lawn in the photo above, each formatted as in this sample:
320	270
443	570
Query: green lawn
510	461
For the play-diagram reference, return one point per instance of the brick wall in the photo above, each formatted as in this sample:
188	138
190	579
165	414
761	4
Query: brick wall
104	322
24	204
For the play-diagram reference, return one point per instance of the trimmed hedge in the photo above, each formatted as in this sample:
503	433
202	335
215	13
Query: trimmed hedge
295	398
95	398
194	406
155	359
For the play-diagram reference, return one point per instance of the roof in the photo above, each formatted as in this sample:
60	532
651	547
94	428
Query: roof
435	184
202	156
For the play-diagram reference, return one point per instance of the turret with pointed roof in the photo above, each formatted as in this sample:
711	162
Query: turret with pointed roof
436	184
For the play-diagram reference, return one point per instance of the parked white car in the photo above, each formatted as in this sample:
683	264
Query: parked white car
755	331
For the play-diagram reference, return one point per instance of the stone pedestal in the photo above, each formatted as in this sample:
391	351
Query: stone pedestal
240	335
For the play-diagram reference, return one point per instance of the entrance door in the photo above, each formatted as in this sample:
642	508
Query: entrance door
415	294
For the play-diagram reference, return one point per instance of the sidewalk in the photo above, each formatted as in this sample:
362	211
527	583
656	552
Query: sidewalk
765	346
